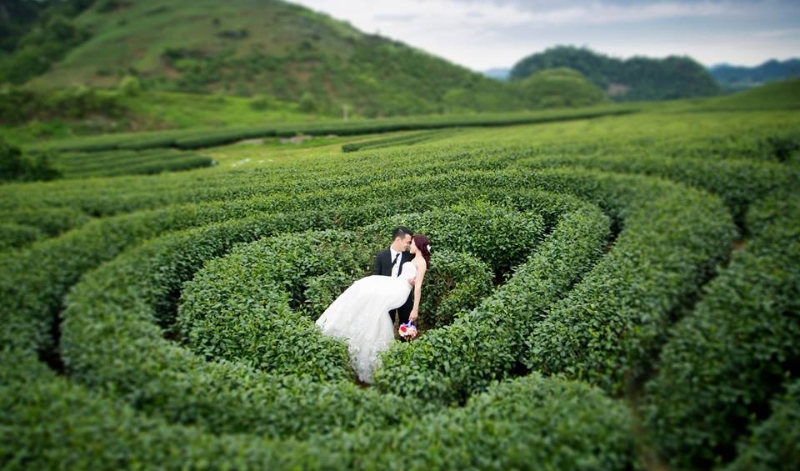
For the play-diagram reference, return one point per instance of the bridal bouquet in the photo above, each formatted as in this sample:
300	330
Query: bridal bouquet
408	330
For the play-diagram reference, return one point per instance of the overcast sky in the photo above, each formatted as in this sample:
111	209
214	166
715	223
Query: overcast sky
482	34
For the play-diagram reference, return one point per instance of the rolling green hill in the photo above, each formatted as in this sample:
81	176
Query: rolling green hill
634	79
270	47
556	88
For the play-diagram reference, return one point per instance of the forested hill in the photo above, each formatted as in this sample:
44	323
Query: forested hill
241	47
632	79
736	77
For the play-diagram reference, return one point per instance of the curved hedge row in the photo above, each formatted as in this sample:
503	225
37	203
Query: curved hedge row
404	140
22	227
611	324
250	306
241	308
52	423
111	341
454	284
727	359
130	163
14	236
531	422
775	443
97	300
447	365
499	237
245	307
737	182
194	139
108	197
41	274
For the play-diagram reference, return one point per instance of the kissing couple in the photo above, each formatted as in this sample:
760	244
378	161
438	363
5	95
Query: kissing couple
359	314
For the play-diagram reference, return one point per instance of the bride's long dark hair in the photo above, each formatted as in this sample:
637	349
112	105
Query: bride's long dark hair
423	247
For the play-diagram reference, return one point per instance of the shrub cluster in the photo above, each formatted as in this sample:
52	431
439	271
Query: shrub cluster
739	182
16	167
128	162
736	351
500	237
246	307
609	327
775	443
111	341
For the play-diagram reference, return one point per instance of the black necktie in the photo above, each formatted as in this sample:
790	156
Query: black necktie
395	261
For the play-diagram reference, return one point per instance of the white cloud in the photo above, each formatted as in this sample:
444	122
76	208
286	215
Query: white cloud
486	33
782	33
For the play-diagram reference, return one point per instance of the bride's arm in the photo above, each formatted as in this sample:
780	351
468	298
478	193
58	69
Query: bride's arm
417	291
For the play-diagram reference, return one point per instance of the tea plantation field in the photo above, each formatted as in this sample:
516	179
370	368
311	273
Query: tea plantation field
620	292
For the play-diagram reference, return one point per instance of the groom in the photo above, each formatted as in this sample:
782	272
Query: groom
389	262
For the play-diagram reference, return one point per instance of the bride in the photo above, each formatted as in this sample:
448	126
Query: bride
359	314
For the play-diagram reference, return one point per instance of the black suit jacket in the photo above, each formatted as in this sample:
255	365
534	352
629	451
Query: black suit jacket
383	262
383	267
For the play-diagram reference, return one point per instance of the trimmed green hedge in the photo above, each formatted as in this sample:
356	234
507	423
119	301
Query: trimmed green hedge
405	140
775	443
128	309
739	182
111	341
454	284
14	236
500	237
447	365
529	423
245	307
52	423
49	422
196	139
733	354
610	326
127	162
40	275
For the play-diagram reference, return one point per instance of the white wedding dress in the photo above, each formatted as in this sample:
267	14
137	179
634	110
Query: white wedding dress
361	316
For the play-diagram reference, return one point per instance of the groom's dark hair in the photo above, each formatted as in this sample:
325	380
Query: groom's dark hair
401	231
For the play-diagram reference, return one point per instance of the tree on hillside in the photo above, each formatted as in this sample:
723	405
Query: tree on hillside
14	166
307	103
556	88
42	46
130	86
19	17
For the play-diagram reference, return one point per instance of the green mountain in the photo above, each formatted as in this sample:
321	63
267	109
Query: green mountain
737	77
633	79
556	88
262	47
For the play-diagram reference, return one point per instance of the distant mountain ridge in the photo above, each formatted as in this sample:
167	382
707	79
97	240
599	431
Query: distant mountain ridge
499	73
633	79
734	77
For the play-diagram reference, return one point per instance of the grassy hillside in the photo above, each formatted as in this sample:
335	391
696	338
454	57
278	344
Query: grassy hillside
249	47
775	95
79	111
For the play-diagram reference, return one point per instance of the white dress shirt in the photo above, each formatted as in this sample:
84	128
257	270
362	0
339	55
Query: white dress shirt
396	266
